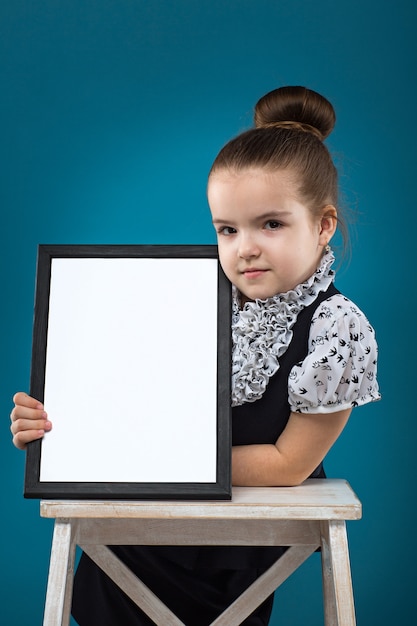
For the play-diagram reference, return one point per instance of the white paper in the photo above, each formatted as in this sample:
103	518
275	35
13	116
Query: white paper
131	371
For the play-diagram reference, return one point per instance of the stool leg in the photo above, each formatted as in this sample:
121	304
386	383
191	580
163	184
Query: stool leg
339	607
61	573
266	584
131	585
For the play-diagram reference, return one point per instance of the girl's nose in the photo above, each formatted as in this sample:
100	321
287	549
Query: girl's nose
248	247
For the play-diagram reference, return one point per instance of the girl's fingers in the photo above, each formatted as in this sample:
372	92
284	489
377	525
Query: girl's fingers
27	408
26	430
28	420
21	425
23	437
22	412
22	399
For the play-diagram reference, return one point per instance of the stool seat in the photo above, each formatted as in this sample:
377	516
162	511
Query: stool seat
306	517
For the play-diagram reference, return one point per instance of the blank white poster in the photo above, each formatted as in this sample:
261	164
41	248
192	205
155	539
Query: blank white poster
131	370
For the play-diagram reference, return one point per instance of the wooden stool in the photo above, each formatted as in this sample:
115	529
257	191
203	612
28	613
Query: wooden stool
306	517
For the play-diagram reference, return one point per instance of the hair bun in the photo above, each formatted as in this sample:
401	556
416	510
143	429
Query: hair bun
296	107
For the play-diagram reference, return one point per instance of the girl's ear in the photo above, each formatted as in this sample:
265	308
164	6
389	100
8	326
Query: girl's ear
328	224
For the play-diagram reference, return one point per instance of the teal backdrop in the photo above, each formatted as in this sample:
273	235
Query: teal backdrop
111	112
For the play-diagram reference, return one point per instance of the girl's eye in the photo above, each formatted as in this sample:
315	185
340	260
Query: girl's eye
227	230
273	225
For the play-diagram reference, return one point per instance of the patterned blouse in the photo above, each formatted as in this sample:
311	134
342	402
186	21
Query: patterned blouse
339	371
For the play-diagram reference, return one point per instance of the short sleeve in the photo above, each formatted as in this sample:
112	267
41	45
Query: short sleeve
339	371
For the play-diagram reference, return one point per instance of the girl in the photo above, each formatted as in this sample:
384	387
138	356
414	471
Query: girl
303	354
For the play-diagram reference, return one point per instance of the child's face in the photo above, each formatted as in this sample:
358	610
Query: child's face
269	241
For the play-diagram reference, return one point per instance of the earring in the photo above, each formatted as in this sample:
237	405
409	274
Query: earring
327	248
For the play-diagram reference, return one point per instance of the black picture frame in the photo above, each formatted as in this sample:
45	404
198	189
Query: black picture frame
172	293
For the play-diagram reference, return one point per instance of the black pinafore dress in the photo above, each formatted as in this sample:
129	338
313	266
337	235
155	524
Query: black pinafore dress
199	582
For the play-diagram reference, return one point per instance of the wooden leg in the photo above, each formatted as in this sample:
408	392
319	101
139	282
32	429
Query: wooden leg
131	585
61	574
232	616
266	584
339	607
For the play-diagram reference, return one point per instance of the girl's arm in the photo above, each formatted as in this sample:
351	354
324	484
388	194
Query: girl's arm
300	448
29	420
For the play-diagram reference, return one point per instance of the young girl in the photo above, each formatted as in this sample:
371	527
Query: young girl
303	354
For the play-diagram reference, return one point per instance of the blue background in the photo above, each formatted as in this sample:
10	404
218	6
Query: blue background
111	112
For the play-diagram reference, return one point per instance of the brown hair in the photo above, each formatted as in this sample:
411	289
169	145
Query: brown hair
290	126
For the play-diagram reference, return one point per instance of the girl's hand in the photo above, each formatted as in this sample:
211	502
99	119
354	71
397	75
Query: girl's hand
29	420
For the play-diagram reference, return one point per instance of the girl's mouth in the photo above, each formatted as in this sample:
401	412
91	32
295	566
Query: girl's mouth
253	273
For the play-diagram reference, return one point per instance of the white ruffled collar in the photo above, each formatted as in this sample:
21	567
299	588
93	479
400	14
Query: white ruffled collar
261	332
